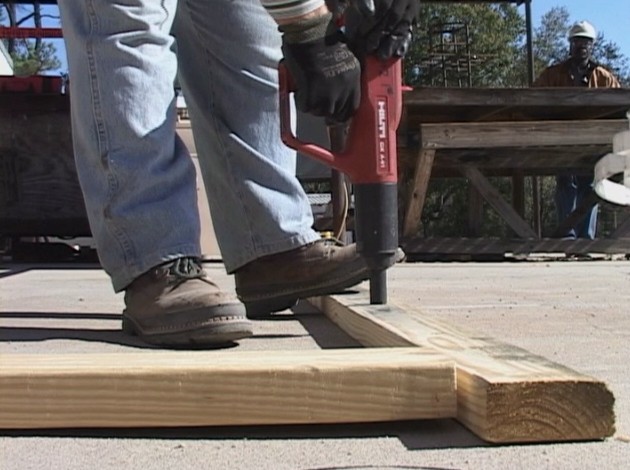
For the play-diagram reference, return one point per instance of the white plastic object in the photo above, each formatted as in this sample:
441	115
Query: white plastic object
612	164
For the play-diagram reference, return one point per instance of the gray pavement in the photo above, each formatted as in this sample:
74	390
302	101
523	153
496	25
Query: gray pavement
574	313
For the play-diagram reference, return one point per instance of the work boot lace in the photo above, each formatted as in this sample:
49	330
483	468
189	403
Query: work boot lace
185	269
330	243
333	241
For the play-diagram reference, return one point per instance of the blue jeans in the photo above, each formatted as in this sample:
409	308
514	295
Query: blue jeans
137	177
570	192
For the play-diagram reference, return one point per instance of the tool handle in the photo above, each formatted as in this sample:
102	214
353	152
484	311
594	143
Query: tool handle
286	132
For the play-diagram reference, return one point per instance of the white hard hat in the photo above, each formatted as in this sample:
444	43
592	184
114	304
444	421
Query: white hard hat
583	29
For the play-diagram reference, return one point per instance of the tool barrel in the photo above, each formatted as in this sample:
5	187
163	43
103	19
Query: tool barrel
378	287
376	227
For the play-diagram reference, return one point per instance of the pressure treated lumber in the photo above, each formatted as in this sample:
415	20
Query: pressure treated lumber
224	388
505	394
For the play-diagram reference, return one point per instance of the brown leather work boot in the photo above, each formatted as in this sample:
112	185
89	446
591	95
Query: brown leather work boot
175	305
276	282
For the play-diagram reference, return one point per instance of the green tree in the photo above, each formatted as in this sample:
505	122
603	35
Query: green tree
550	38
32	59
30	56
466	45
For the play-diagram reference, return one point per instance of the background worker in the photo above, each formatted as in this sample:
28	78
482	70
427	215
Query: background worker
579	70
138	179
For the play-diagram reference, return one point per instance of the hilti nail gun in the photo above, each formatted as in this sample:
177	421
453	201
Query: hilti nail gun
369	160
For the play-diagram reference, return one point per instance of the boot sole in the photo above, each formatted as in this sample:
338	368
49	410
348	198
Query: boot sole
265	307
222	330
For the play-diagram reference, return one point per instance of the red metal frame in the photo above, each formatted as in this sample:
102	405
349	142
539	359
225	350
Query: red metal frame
14	32
38	84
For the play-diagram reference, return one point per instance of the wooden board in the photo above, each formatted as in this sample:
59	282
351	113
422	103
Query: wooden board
436	104
505	394
520	134
501	161
494	198
224	388
417	195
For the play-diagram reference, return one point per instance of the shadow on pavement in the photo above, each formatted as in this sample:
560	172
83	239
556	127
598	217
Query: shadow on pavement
414	435
62	315
113	336
14	268
324	332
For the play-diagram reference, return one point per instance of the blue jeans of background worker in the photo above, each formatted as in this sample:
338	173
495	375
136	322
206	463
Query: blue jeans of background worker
137	176
570	192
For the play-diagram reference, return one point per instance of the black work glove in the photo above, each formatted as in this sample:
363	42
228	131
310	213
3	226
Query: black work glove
325	72
381	27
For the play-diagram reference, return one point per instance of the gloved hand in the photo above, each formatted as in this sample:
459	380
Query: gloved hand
381	27
326	73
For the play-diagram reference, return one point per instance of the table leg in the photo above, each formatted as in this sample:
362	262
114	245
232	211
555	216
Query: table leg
417	197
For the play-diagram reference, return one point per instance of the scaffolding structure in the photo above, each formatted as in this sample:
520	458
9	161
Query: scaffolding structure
449	60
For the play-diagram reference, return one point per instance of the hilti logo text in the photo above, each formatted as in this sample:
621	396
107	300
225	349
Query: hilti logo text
382	134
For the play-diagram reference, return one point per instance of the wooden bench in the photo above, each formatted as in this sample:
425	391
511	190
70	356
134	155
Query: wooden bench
479	133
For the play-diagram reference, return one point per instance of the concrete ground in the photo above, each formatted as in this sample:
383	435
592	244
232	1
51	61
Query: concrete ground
574	313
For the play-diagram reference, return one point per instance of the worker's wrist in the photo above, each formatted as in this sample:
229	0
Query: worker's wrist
306	28
319	11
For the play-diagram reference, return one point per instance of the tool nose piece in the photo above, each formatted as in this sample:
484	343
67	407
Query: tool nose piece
378	287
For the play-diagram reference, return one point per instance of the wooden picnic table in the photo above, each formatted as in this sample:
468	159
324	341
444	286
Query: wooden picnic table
517	132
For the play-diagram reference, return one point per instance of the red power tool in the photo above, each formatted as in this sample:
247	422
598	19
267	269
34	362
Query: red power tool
369	159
